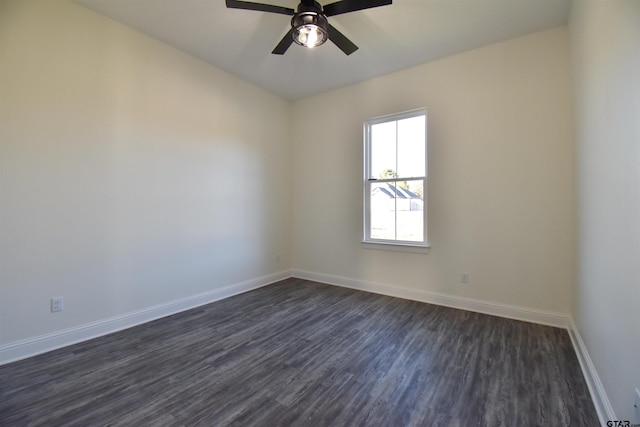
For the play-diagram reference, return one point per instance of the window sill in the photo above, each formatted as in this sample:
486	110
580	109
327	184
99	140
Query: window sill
397	247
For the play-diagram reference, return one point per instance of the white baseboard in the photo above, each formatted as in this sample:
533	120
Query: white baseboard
44	343
509	311
598	395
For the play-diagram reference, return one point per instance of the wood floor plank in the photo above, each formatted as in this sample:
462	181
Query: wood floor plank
303	353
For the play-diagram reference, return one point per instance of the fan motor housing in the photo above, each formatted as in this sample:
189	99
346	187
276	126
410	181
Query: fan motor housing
314	7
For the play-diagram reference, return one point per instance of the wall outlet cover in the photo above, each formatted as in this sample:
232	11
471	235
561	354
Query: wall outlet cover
57	304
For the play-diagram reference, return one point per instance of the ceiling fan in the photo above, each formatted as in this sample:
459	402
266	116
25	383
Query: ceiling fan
309	25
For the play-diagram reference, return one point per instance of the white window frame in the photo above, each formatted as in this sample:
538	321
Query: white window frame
397	245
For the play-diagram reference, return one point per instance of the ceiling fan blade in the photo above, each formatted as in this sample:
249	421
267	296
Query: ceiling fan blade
284	43
237	4
346	6
341	40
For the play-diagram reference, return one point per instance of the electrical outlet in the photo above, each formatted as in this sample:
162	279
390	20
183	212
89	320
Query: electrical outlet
464	277
636	406
57	304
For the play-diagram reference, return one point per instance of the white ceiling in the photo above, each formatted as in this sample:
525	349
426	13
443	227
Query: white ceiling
390	38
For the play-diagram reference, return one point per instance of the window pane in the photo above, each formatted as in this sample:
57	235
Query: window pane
383	150
411	143
410	210
397	210
383	211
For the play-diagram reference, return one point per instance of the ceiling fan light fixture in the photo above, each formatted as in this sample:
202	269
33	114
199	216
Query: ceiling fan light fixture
309	29
309	26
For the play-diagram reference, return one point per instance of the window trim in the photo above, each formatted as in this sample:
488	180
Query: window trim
397	245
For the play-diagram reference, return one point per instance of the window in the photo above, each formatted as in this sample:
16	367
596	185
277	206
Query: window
395	179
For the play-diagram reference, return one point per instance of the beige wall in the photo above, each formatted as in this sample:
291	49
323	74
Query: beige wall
500	189
605	50
132	174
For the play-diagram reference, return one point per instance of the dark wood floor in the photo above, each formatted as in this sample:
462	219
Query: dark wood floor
307	354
